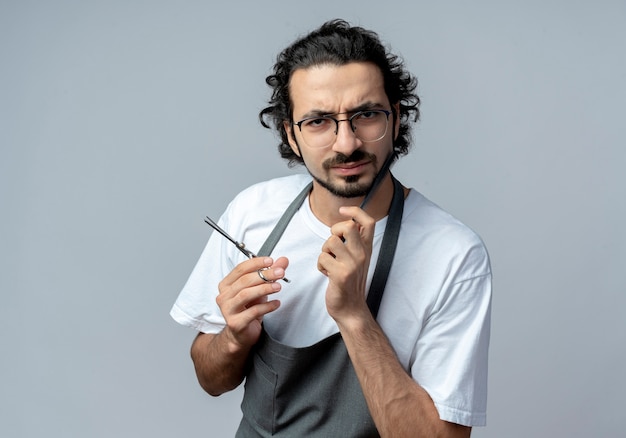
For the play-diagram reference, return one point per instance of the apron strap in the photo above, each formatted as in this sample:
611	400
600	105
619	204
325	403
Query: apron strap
387	250
281	225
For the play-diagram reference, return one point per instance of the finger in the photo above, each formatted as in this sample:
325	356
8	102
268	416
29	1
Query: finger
347	231
243	269
337	256
326	263
258	308
366	223
350	240
236	303
274	272
254	305
253	286
269	275
283	262
241	324
337	244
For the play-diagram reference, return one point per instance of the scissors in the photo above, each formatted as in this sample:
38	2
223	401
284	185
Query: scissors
240	245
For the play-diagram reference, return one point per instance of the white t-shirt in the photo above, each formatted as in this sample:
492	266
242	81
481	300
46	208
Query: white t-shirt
435	309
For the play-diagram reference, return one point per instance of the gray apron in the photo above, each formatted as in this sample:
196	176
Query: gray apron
313	391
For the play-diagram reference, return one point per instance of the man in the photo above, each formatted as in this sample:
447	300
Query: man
327	353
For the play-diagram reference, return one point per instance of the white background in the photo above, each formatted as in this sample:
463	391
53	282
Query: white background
124	123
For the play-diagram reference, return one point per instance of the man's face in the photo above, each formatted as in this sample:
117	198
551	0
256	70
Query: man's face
348	166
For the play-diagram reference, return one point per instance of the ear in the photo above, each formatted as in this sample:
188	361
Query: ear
396	122
291	137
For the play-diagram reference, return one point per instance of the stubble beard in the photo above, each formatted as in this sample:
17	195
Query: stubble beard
353	186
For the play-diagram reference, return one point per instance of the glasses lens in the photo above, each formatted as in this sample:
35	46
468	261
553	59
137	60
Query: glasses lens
369	125
320	132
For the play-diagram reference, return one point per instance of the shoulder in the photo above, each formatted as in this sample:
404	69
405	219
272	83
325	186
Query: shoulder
277	190
267	199
422	213
444	236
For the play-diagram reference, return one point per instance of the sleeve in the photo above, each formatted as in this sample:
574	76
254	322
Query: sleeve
452	350
196	306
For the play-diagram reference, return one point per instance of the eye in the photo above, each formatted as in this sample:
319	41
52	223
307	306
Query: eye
316	123
368	116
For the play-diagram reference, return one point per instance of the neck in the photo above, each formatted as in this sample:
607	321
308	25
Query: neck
325	205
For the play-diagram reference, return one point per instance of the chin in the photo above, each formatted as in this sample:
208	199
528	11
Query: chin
349	187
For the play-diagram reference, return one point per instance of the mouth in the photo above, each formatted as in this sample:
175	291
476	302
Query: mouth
352	168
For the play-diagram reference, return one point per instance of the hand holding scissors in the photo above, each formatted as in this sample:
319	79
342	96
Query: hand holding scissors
240	246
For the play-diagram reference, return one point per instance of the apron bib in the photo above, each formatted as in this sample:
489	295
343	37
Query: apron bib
313	391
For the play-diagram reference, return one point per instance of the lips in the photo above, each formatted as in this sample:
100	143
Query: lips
351	168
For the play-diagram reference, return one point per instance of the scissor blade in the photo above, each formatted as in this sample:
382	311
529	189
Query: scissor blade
240	246
217	228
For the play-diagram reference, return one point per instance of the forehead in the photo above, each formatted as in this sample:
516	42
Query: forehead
331	88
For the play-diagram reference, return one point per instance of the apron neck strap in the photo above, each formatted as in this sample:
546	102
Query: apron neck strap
387	249
280	227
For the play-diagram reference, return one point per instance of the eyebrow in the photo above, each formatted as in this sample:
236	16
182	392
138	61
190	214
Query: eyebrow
362	107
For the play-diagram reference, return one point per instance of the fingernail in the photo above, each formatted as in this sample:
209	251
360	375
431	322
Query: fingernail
279	272
268	261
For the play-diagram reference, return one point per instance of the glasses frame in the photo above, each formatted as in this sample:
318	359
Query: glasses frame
349	120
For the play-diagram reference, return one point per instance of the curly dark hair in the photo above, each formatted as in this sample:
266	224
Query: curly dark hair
336	42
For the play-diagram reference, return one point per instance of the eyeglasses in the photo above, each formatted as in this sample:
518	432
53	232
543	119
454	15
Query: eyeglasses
321	131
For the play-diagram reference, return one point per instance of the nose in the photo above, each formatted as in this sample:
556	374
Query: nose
346	142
